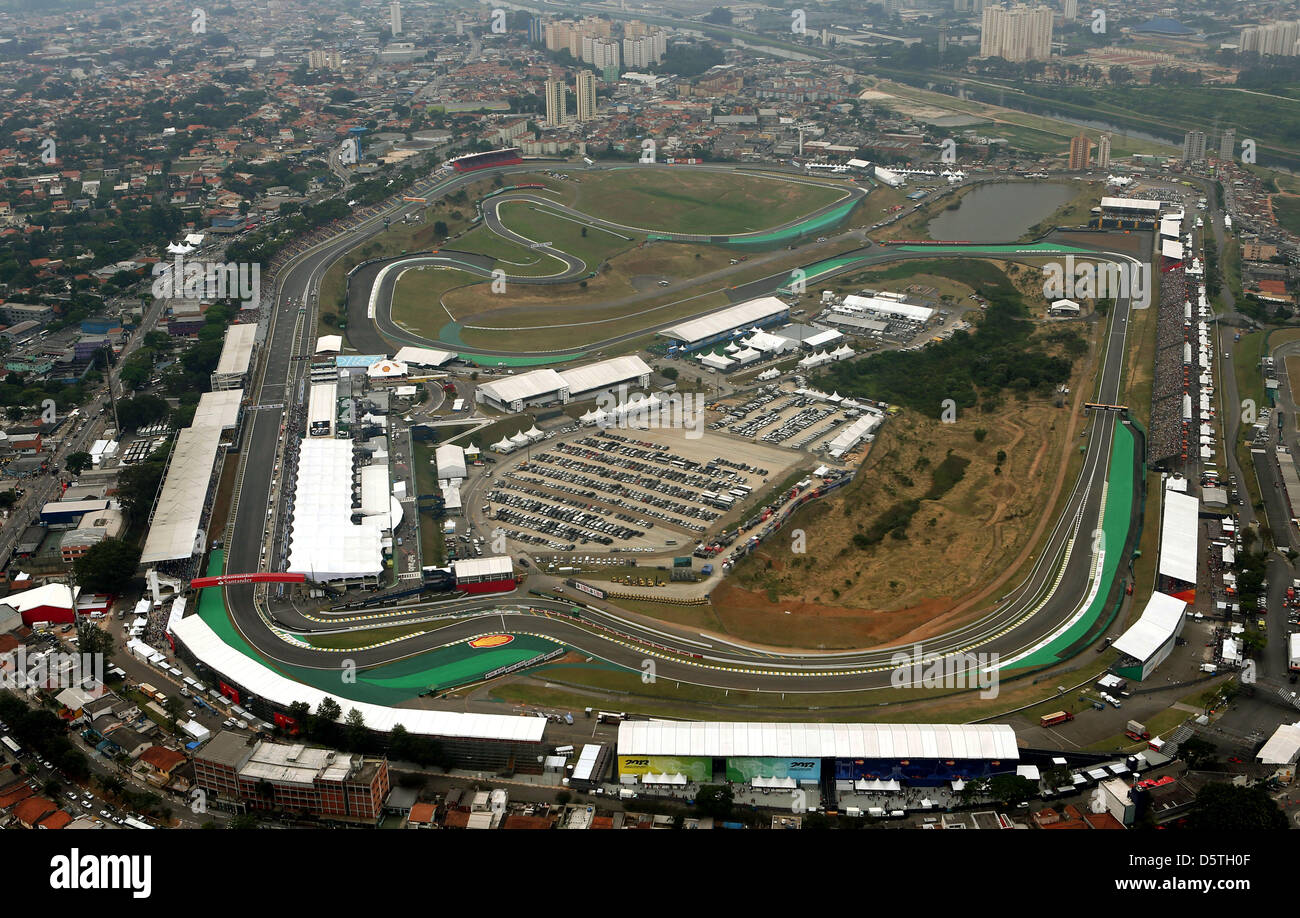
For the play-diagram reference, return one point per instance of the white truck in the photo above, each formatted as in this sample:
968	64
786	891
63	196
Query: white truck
1295	651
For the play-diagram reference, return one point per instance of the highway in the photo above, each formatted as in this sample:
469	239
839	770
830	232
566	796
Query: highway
1020	621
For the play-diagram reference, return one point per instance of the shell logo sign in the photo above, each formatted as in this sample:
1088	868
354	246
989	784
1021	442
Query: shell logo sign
491	640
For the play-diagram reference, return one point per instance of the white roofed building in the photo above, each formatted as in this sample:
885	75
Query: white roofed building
1150	639
721	325
324	543
236	356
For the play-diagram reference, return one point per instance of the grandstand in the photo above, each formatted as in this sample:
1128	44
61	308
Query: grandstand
507	156
1150	640
922	755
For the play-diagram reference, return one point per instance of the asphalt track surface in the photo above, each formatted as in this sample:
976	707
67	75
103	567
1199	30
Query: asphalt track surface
1036	608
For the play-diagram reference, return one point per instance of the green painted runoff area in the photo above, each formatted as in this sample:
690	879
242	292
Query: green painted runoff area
1117	517
391	683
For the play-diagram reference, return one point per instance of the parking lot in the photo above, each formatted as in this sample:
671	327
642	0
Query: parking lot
627	491
783	415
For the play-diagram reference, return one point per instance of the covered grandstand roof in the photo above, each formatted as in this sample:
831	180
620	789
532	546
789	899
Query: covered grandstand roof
237	350
783	740
175	524
218	409
329	344
738	316
526	386
1160	621
203	642
1138	204
324	543
1178	532
603	374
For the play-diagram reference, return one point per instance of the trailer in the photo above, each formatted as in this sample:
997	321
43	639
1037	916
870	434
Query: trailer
1136	731
1051	720
1295	651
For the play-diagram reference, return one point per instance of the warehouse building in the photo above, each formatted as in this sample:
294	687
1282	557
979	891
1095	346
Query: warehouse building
884	306
545	387
658	752
725	324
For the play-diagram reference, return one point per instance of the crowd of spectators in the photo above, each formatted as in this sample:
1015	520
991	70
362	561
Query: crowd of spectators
1170	432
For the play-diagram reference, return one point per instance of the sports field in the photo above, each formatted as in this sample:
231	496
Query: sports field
689	201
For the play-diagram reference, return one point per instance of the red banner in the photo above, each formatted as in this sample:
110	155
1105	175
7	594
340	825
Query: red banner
266	577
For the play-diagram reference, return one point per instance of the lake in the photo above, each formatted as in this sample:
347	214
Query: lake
1000	211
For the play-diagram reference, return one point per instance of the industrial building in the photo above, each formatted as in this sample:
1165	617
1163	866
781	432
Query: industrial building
725	324
790	753
544	387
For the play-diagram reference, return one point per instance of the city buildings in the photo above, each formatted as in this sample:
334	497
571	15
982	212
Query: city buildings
1080	152
1194	147
584	87
555	103
1279	38
260	775
1017	33
395	17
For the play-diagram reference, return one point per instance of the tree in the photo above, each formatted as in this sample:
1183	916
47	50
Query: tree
325	724
300	714
356	722
715	800
1221	807
79	461
108	567
93	640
